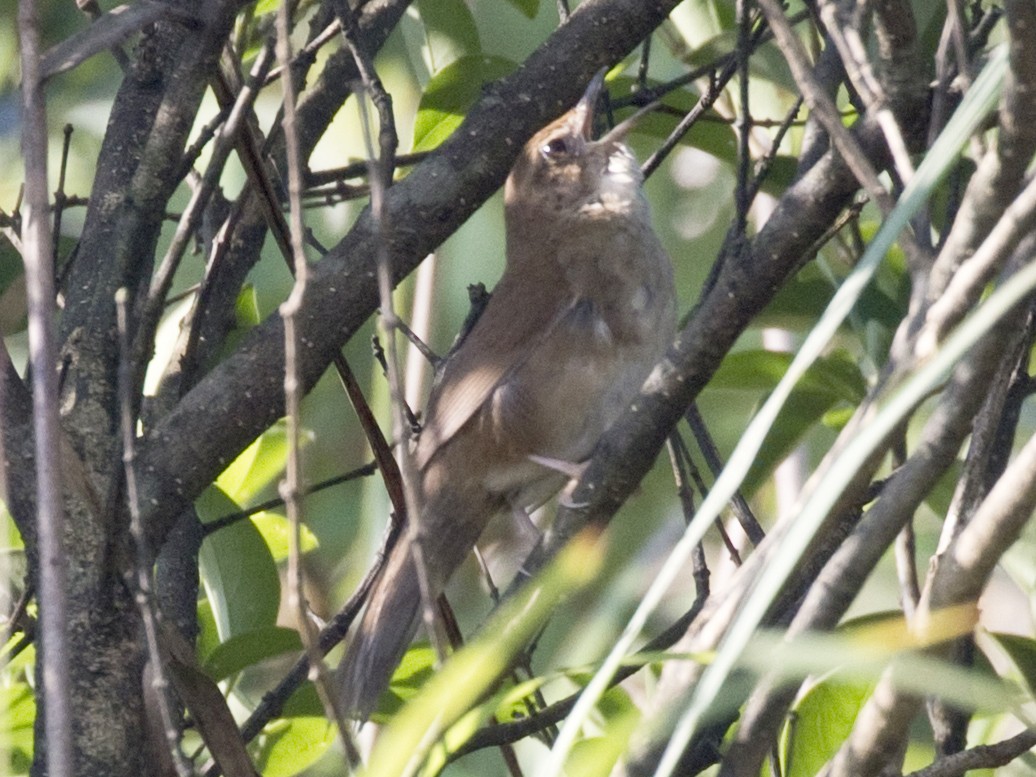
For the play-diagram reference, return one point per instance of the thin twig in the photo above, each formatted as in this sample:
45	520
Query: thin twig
645	63
766	163
16	621
822	107
980	757
356	170
858	68
738	503
231	518
381	166
556	712
154	304
684	466
205	134
60	200
139	577
38	251
290	310
743	123
705	102
273	702
378	351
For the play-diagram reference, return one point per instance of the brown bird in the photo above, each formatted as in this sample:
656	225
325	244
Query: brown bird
584	309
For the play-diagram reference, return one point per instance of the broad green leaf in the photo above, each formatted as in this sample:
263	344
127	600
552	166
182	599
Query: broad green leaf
598	754
823	719
276	530
450	93
208	631
759	370
529	8
13	301
304	703
804	298
257	465
246	315
866	653
246	308
1022	652
244	650
17	714
803	411
10	538
294	746
417	666
829	383
461	731
780	175
450	32
237	571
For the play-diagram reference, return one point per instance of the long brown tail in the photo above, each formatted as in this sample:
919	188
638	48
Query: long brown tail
379	643
454	515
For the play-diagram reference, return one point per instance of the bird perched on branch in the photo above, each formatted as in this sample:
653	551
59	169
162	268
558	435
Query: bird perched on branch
583	311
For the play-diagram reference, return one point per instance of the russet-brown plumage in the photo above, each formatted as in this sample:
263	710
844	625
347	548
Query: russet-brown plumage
583	311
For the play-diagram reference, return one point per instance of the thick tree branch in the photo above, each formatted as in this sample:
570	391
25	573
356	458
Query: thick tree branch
142	151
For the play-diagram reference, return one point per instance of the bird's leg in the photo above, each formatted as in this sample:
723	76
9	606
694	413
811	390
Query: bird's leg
574	470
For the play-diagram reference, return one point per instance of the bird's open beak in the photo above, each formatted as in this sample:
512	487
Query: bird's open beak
618	133
584	113
584	110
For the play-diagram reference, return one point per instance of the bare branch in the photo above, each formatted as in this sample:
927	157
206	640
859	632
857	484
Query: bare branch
140	574
55	747
290	309
981	757
108	30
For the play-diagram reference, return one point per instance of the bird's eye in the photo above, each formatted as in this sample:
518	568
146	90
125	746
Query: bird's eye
555	147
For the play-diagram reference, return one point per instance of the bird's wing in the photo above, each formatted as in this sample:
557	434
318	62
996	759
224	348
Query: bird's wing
502	339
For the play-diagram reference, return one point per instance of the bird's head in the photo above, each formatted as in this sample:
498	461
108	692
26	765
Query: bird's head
562	174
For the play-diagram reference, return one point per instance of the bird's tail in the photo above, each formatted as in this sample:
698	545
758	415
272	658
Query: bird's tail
451	522
386	629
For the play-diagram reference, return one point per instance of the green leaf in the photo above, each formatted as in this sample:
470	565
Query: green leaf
417	666
246	308
824	717
1022	652
803	300
13	310
244	650
759	370
276	529
449	95
291	748
304	703
529	8
11	542
257	466
17	714
450	32
208	631
830	382
237	571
